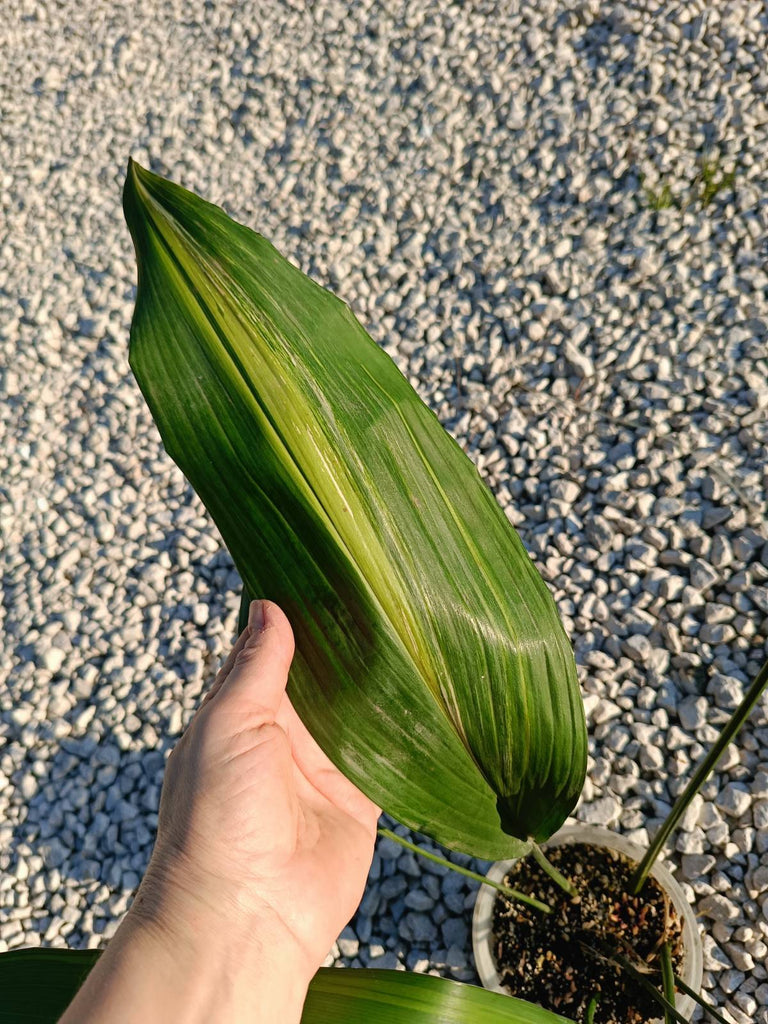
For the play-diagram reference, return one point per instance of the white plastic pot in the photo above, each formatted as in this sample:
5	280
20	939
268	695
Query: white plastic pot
482	922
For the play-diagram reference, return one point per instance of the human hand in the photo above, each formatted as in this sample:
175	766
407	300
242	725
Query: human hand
259	835
261	857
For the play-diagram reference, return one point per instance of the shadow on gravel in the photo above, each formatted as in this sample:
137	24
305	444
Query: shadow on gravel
89	824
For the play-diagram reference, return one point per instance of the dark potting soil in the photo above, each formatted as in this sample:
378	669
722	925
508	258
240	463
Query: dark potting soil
542	957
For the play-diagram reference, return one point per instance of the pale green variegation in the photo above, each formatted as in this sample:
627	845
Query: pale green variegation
431	665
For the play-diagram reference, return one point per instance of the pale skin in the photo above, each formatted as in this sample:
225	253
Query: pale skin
261	857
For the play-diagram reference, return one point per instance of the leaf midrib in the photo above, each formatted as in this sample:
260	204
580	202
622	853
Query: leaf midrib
288	460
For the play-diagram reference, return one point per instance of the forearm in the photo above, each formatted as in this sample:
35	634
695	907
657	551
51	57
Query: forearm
261	856
186	977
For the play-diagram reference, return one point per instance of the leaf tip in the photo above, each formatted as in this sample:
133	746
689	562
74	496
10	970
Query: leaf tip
132	174
130	188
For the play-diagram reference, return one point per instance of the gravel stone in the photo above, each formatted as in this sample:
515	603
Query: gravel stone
696	866
735	800
393	887
702	575
387	961
348	943
417	899
604	811
200	614
638	648
727	691
693	713
455	932
418	928
730	981
565	490
740	958
481	191
718	908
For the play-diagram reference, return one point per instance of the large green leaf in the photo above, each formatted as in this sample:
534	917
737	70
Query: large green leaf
37	985
431	665
347	996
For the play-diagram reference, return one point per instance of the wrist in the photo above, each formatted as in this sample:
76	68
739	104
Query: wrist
216	975
179	907
222	935
175	961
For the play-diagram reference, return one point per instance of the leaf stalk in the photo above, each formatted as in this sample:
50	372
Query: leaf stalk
667	981
513	894
707	1007
698	779
557	877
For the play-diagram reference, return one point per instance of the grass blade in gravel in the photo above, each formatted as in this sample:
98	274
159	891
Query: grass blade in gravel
699	777
431	663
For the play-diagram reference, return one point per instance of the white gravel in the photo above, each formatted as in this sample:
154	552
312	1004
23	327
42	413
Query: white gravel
476	181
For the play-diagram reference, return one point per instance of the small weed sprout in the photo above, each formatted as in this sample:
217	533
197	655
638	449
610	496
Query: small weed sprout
710	180
713	180
660	200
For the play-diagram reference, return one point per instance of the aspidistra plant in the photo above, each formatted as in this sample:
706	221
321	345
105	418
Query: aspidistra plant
431	664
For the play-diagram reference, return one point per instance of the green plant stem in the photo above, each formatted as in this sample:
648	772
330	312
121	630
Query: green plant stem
590	1017
688	991
667	980
513	894
733	725
551	870
621	961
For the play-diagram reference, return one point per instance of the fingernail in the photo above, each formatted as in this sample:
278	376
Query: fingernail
256	616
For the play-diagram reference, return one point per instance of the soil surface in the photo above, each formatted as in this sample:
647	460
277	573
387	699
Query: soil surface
544	957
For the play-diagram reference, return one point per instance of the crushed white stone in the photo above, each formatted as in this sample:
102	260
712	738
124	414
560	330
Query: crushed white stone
511	202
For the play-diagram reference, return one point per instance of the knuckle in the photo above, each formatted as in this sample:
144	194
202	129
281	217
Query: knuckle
249	654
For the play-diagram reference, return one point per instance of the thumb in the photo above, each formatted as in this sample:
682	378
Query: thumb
256	683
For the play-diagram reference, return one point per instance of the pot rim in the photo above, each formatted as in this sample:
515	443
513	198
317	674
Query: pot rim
482	918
